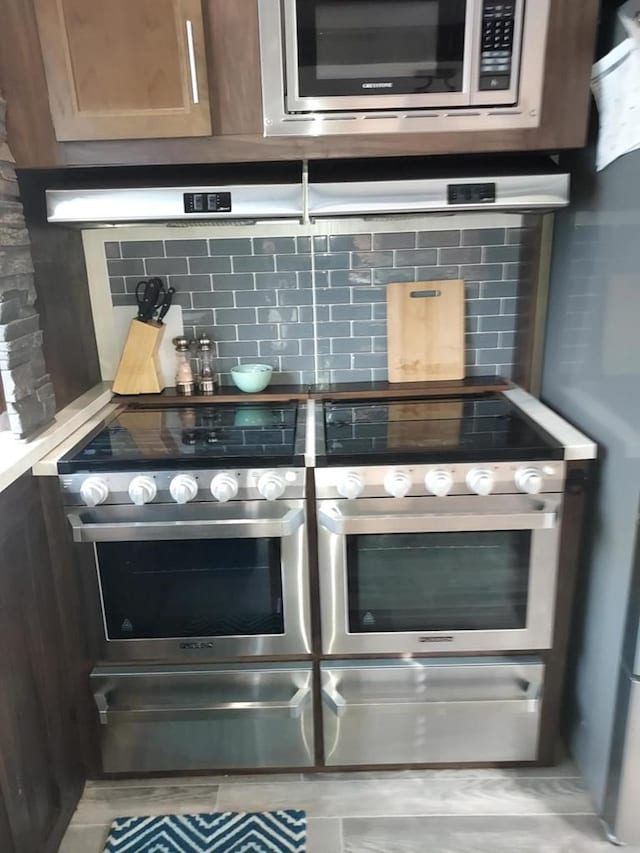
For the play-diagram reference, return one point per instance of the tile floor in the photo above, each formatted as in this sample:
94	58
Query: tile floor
532	810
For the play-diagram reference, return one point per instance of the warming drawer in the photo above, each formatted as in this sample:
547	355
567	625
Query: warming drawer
161	718
431	711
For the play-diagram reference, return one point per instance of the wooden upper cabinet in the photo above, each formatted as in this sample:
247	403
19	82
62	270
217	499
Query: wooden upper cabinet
125	69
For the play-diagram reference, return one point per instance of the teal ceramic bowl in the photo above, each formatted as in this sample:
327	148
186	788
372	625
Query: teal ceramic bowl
251	377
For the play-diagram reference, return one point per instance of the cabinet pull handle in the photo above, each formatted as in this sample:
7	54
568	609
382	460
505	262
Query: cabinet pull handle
193	71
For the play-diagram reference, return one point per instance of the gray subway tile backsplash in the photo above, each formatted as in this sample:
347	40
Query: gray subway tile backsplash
460	255
395	241
210	264
230	246
483	237
142	249
166	266
416	257
254	263
213	300
437	239
186	248
306	302
128	267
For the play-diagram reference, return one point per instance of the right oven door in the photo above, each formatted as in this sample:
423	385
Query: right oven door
422	574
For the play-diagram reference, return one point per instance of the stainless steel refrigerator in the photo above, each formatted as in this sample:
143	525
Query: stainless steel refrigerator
592	376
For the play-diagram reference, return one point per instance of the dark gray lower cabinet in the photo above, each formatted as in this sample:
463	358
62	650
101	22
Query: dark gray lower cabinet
41	771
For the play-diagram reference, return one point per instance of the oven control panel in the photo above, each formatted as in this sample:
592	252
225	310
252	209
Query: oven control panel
439	481
182	487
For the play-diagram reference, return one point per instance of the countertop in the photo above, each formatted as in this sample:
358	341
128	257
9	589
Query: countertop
351	391
18	456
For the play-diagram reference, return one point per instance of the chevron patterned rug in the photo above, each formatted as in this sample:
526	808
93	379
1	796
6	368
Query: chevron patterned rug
226	832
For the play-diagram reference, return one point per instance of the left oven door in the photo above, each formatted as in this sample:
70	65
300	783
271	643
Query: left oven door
163	718
200	581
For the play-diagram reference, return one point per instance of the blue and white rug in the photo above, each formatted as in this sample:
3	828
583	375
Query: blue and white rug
228	832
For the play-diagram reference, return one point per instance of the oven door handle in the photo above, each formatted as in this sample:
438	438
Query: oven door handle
334	519
254	528
107	714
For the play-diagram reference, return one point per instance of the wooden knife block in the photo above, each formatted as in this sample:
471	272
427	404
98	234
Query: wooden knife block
139	370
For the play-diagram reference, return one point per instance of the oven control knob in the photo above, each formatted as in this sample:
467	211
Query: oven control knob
183	488
397	484
439	483
94	491
271	486
529	480
142	490
351	486
224	487
480	481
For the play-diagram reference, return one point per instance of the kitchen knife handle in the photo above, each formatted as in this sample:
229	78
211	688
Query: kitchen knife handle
168	298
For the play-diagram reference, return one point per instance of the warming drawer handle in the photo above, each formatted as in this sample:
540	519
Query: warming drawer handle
531	692
294	707
335	700
546	518
254	528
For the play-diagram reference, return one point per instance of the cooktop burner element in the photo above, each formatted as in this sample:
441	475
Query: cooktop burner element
458	429
145	439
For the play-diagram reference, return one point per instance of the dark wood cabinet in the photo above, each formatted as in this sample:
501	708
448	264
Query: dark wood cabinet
41	768
105	95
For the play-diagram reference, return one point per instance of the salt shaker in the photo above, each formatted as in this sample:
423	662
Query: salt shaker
184	374
207	379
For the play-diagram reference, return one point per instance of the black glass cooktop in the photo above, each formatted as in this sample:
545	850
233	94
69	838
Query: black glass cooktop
448	429
245	435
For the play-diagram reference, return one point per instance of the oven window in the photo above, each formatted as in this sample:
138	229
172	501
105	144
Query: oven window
191	588
420	582
373	47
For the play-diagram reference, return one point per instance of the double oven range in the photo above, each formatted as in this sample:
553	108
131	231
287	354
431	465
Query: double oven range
437	525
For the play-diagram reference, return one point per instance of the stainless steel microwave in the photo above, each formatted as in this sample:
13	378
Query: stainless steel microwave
370	66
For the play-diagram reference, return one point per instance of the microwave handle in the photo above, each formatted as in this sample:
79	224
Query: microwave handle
545	518
254	528
107	714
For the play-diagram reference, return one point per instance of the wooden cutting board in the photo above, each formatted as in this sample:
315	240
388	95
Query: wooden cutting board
425	331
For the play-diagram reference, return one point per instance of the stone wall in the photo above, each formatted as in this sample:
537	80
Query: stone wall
27	385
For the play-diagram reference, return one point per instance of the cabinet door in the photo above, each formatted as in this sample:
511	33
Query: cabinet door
41	776
125	69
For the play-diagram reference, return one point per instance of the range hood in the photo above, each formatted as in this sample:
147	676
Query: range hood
325	189
253	192
445	185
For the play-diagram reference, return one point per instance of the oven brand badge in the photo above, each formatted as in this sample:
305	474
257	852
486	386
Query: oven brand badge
441	639
127	627
196	646
377	85
368	618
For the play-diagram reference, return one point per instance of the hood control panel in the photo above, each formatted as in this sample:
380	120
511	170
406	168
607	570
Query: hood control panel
207	202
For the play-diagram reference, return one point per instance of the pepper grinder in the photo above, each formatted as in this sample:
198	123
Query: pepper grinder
207	379
184	374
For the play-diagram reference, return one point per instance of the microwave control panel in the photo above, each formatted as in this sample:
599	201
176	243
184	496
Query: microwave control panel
207	202
496	59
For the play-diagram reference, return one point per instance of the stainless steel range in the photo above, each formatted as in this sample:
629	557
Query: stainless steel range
196	519
454	546
438	534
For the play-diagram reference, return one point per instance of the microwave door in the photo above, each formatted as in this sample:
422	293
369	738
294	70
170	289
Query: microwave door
380	54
